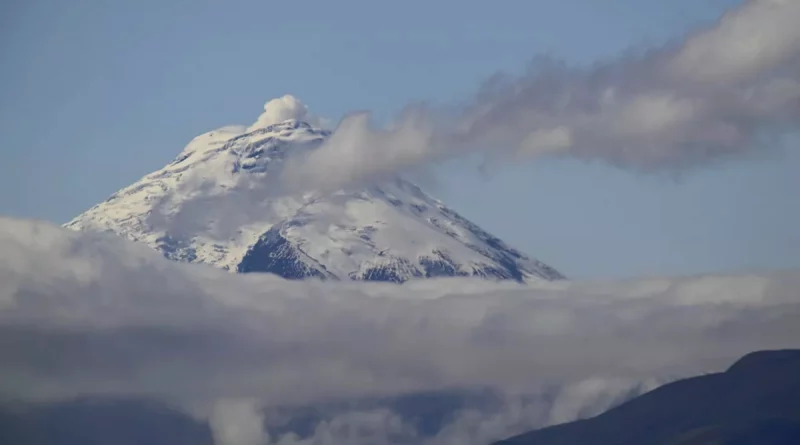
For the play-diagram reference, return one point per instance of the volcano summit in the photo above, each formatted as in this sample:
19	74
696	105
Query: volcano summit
220	203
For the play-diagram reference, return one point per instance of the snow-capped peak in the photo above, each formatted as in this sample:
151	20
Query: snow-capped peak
219	203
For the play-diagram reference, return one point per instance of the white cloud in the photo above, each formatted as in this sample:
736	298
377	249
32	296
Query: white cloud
686	103
87	314
758	37
282	109
237	422
359	150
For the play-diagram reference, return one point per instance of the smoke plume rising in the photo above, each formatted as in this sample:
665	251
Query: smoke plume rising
717	92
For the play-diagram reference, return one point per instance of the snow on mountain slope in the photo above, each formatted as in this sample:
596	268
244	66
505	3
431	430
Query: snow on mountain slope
220	203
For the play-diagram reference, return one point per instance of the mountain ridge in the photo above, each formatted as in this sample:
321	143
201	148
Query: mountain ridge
219	202
756	401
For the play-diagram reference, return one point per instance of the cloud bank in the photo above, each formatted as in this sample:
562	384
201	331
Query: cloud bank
718	92
89	315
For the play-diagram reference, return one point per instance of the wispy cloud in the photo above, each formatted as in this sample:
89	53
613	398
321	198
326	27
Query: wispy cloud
84	314
717	92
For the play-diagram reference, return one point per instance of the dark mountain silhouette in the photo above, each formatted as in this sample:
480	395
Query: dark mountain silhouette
755	402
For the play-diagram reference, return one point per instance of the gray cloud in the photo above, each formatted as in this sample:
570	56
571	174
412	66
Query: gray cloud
238	422
90	315
487	419
718	92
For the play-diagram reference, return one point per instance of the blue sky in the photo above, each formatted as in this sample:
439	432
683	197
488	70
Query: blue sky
94	94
